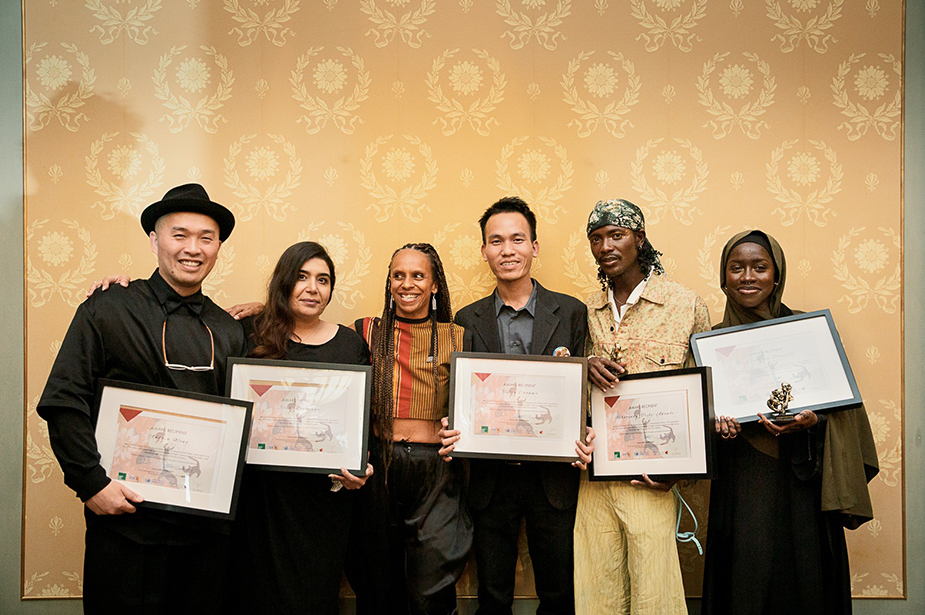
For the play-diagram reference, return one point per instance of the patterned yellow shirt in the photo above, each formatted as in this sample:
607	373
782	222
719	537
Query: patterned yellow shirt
654	334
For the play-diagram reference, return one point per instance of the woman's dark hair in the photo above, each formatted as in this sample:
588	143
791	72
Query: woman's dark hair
382	344
646	258
274	326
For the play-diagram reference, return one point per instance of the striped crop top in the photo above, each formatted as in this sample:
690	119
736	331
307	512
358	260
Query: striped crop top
413	376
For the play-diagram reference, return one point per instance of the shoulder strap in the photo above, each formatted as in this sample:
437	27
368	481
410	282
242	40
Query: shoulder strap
364	326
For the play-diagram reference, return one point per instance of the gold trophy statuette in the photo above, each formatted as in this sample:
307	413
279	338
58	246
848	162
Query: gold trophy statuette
778	402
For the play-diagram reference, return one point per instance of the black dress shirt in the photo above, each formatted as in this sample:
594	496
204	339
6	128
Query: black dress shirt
515	327
116	334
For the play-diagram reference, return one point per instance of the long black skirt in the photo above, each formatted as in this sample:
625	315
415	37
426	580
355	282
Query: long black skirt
770	549
289	543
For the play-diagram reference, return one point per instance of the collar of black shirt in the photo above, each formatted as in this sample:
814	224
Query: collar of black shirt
171	299
530	306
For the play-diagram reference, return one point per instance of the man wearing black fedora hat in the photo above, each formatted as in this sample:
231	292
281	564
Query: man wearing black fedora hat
162	332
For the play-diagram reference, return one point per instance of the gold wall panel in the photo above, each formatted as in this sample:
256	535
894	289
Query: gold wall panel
364	124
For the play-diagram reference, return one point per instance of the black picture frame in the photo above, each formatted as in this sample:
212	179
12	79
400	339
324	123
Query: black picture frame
613	459
221	418
749	361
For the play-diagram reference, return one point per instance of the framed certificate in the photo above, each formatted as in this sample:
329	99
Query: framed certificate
308	417
181	451
517	407
750	361
657	423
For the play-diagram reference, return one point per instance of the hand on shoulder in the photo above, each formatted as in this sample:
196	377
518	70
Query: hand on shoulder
110	280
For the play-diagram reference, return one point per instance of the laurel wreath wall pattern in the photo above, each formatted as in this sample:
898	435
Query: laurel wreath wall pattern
814	31
546	199
43	285
706	259
409	201
341	112
576	267
885	119
408	26
182	110
117	198
41	109
272	199
811	204
677	31
272	24
462	290
455	113
367	124
41	459
680	201
543	27
884	291
611	116
725	117
134	22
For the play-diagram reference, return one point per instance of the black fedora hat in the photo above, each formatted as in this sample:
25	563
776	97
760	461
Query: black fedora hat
188	197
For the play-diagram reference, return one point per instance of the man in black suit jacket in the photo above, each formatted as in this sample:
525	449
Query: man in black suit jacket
522	317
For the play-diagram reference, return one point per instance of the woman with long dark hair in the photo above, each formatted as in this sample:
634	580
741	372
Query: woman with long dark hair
784	494
412	534
291	530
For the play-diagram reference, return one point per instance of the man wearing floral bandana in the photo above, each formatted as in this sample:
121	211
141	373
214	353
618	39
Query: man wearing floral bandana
626	561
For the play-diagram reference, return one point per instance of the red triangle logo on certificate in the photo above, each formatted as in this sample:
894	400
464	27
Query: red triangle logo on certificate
260	389
610	401
725	351
129	413
483	377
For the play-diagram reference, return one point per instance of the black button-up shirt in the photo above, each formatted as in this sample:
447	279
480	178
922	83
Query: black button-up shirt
515	327
117	334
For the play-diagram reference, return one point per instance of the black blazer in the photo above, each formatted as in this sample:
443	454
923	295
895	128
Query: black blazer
560	320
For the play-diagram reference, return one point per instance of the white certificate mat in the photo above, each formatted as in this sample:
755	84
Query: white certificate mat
517	406
656	423
750	361
180	451
310	417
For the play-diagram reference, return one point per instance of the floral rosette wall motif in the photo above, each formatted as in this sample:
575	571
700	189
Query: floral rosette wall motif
365	125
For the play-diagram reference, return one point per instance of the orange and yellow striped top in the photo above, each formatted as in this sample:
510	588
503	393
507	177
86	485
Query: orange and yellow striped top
413	375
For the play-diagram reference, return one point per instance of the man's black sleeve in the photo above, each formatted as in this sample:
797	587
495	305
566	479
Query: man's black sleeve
67	402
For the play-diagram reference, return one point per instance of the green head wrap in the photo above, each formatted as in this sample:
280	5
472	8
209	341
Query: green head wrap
622	213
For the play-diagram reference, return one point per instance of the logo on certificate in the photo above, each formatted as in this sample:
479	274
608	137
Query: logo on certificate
261	446
616	454
484	428
121	475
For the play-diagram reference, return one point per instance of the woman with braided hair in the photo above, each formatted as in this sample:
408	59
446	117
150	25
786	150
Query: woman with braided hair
412	534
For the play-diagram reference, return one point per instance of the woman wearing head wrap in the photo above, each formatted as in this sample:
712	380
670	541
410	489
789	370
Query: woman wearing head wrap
783	494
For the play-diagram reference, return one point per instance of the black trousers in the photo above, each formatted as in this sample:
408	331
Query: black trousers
411	534
519	495
122	576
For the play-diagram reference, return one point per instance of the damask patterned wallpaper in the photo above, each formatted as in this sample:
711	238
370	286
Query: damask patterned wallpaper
365	124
